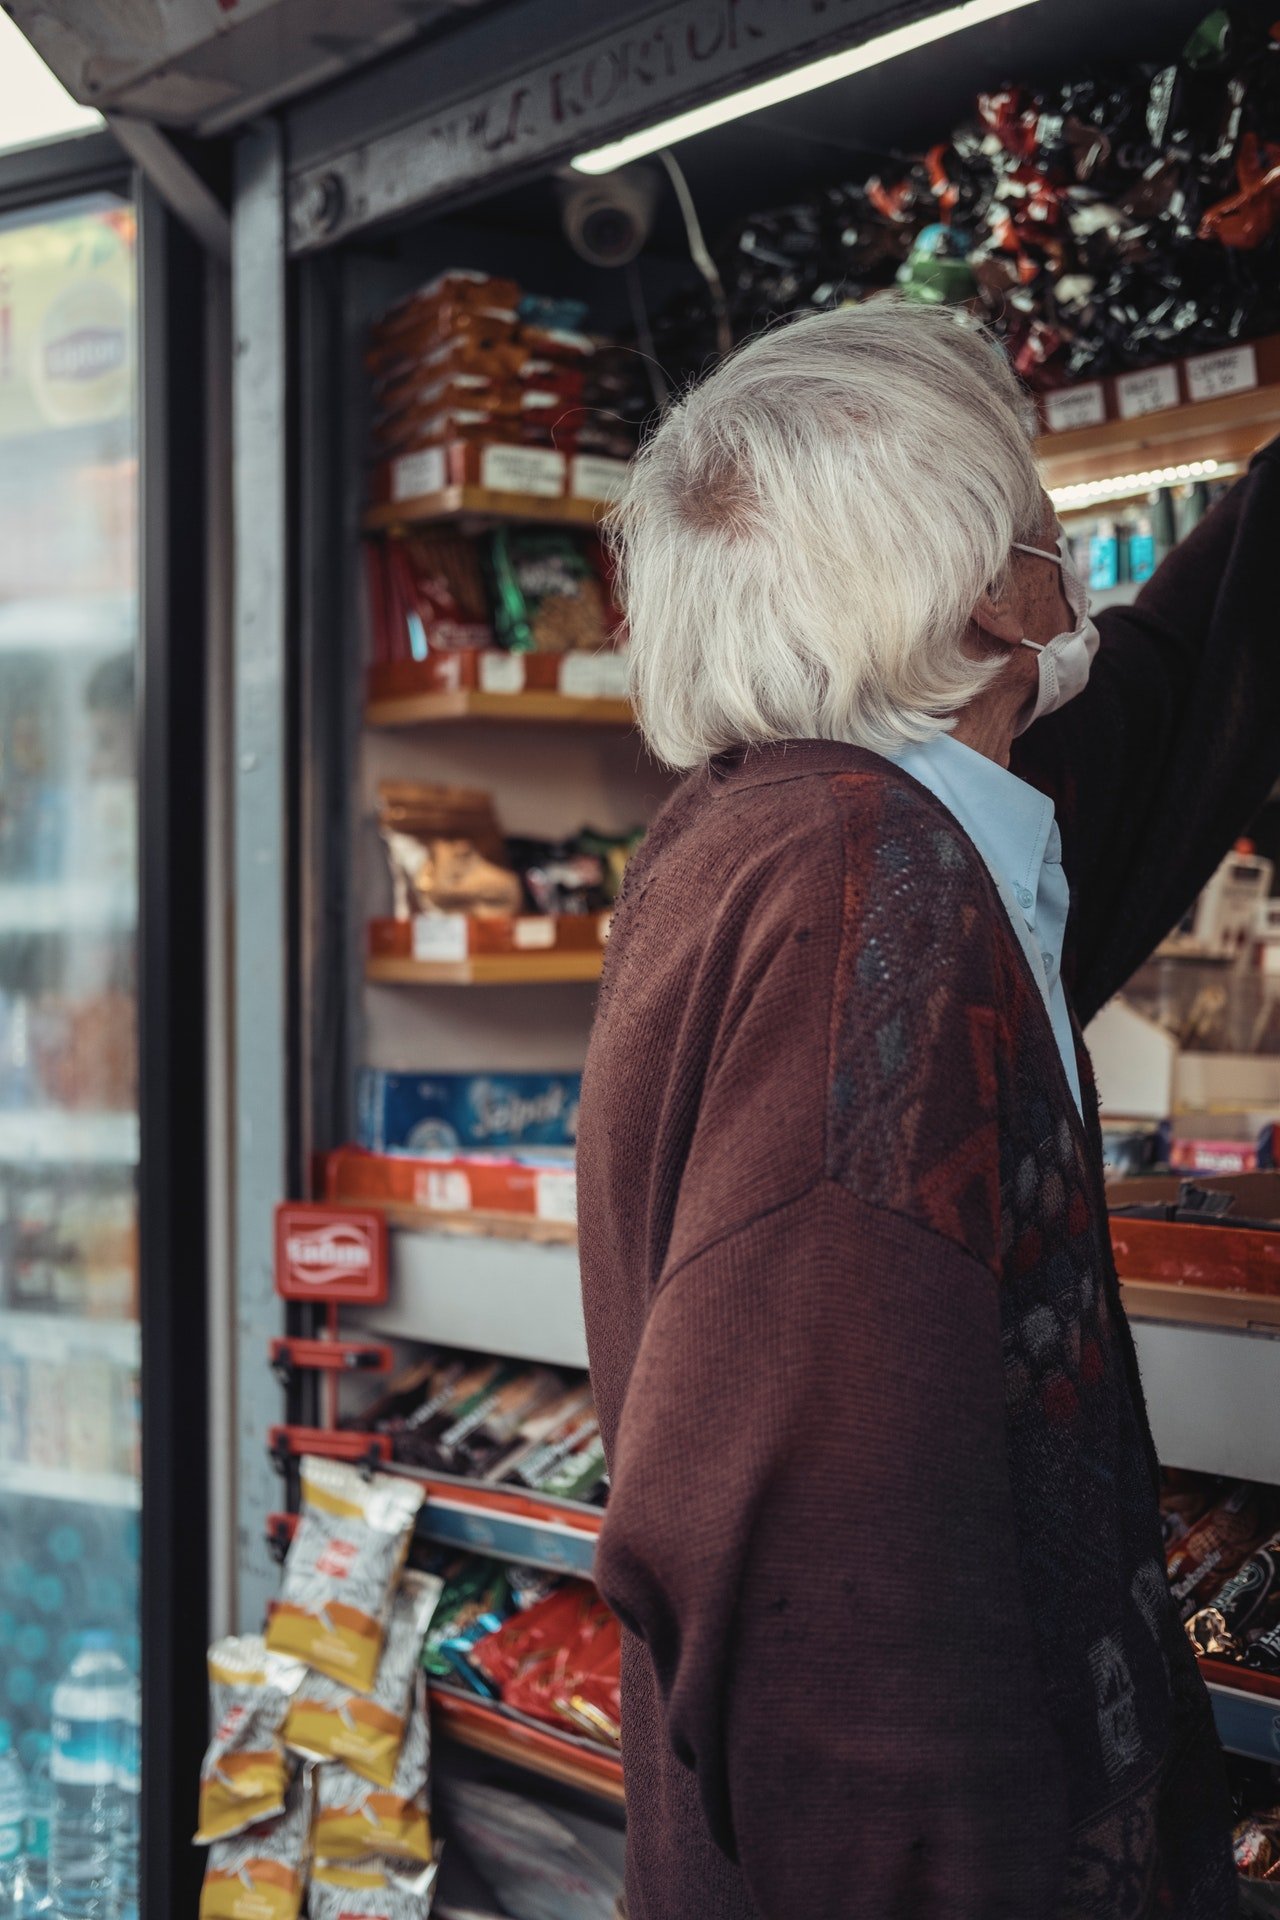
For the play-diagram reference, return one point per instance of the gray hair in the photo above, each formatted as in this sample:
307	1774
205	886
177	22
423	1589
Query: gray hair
801	543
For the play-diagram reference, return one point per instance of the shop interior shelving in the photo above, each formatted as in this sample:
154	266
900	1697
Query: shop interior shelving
523	1743
473	1292
485	970
533	708
537	1531
482	506
1224	430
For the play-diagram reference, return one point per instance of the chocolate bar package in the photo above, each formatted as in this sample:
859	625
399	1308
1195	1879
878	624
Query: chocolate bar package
1242	1603
443	1113
1219	1542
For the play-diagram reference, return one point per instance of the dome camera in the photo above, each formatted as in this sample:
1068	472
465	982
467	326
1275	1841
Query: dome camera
607	220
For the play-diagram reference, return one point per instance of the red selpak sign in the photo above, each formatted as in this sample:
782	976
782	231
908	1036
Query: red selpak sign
330	1253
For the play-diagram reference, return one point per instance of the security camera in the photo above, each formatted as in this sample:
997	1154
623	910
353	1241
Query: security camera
607	220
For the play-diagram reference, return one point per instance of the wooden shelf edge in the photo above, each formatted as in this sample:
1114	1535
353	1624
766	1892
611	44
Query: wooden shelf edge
487	970
1227	429
1200	1306
508	709
486	1729
478	1225
482	503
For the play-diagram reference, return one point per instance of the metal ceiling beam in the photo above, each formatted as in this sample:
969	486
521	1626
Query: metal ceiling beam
177	183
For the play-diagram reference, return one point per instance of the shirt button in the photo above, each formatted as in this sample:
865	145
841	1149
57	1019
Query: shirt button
1023	897
1048	964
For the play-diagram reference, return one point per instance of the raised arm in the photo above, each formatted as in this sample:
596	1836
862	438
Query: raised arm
1159	764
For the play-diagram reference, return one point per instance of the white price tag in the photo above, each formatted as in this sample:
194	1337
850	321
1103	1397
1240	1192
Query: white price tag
417	473
1235	370
537	470
592	477
534	931
581	677
502	672
1150	391
556	1195
1070	407
440	936
442	1190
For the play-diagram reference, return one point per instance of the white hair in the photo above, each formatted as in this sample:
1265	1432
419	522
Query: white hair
801	543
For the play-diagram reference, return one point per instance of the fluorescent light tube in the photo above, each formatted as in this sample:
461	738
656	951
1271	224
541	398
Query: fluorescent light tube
786	86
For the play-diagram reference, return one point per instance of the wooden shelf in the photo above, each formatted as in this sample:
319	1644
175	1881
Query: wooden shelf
1226	429
482	503
506	1736
518	709
487	970
479	1225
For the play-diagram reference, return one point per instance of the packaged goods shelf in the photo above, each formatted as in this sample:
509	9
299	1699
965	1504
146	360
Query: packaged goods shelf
1190	1374
481	504
1247	1711
56	1137
1225	429
485	970
506	1736
52	1336
480	1225
519	709
478	1293
66	1483
557	1534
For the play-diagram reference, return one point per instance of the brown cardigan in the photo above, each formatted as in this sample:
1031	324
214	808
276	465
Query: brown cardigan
883	1529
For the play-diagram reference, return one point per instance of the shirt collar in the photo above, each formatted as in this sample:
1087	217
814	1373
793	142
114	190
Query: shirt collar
1011	824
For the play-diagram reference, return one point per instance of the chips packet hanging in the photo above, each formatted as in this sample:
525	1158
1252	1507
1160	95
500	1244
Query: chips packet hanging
245	1775
327	1721
370	1890
352	1537
354	1818
260	1874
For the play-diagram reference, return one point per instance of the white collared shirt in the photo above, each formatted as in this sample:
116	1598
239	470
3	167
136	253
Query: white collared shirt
1013	828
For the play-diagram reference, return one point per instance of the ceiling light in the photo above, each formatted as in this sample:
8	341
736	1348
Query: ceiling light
787	86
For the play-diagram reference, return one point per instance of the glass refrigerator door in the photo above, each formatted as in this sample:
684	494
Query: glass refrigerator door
69	1333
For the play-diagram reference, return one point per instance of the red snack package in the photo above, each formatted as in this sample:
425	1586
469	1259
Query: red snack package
1216	1545
591	1698
548	1625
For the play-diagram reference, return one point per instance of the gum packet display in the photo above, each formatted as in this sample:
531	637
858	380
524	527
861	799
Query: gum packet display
370	1890
260	1874
327	1721
355	1818
244	1775
352	1538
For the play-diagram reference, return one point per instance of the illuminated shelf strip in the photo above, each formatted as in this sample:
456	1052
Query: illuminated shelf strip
1120	486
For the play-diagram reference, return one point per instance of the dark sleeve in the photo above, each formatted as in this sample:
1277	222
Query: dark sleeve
1175	743
810	1527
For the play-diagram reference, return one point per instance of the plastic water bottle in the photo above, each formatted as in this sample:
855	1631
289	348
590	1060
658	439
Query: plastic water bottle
89	1703
35	1854
13	1814
125	1840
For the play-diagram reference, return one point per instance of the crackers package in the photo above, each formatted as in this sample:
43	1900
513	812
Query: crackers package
370	1890
354	1818
352	1538
327	1721
260	1874
244	1776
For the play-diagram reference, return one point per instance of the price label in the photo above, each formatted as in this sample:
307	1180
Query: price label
594	676
417	473
556	1196
502	672
1235	370
1150	391
440	936
442	1190
537	470
534	931
591	477
1070	407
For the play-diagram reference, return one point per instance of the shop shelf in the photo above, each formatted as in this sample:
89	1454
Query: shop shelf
479	1293
1246	1707
55	1137
54	1336
1211	1393
1226	429
560	1535
495	1730
519	709
64	1483
482	504
485	970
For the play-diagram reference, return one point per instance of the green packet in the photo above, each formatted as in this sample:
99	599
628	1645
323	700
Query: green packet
477	1598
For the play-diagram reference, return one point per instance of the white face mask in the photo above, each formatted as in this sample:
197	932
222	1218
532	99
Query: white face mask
1065	660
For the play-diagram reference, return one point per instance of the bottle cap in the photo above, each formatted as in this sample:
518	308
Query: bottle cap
96	1640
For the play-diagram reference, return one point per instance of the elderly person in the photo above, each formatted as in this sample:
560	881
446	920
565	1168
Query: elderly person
883	1533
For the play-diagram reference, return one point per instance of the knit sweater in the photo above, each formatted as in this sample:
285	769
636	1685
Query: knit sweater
883	1533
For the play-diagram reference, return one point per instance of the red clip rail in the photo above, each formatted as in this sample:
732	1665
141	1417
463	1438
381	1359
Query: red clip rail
330	1356
332	1443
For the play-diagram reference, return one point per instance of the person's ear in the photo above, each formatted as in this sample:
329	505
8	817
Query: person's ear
997	618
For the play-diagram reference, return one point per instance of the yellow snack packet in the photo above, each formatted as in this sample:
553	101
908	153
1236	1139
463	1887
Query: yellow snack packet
245	1774
350	1545
370	1890
327	1721
354	1818
260	1874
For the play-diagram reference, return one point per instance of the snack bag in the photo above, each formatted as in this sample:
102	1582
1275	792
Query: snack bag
592	1697
547	590
327	1721
370	1890
354	1818
244	1776
1240	1605
445	851
352	1538
1216	1545
475	1602
259	1874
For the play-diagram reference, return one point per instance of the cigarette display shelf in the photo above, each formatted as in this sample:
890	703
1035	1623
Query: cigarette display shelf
482	506
488	1728
509	1524
1246	1708
532	708
484	1295
68	1483
486	970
